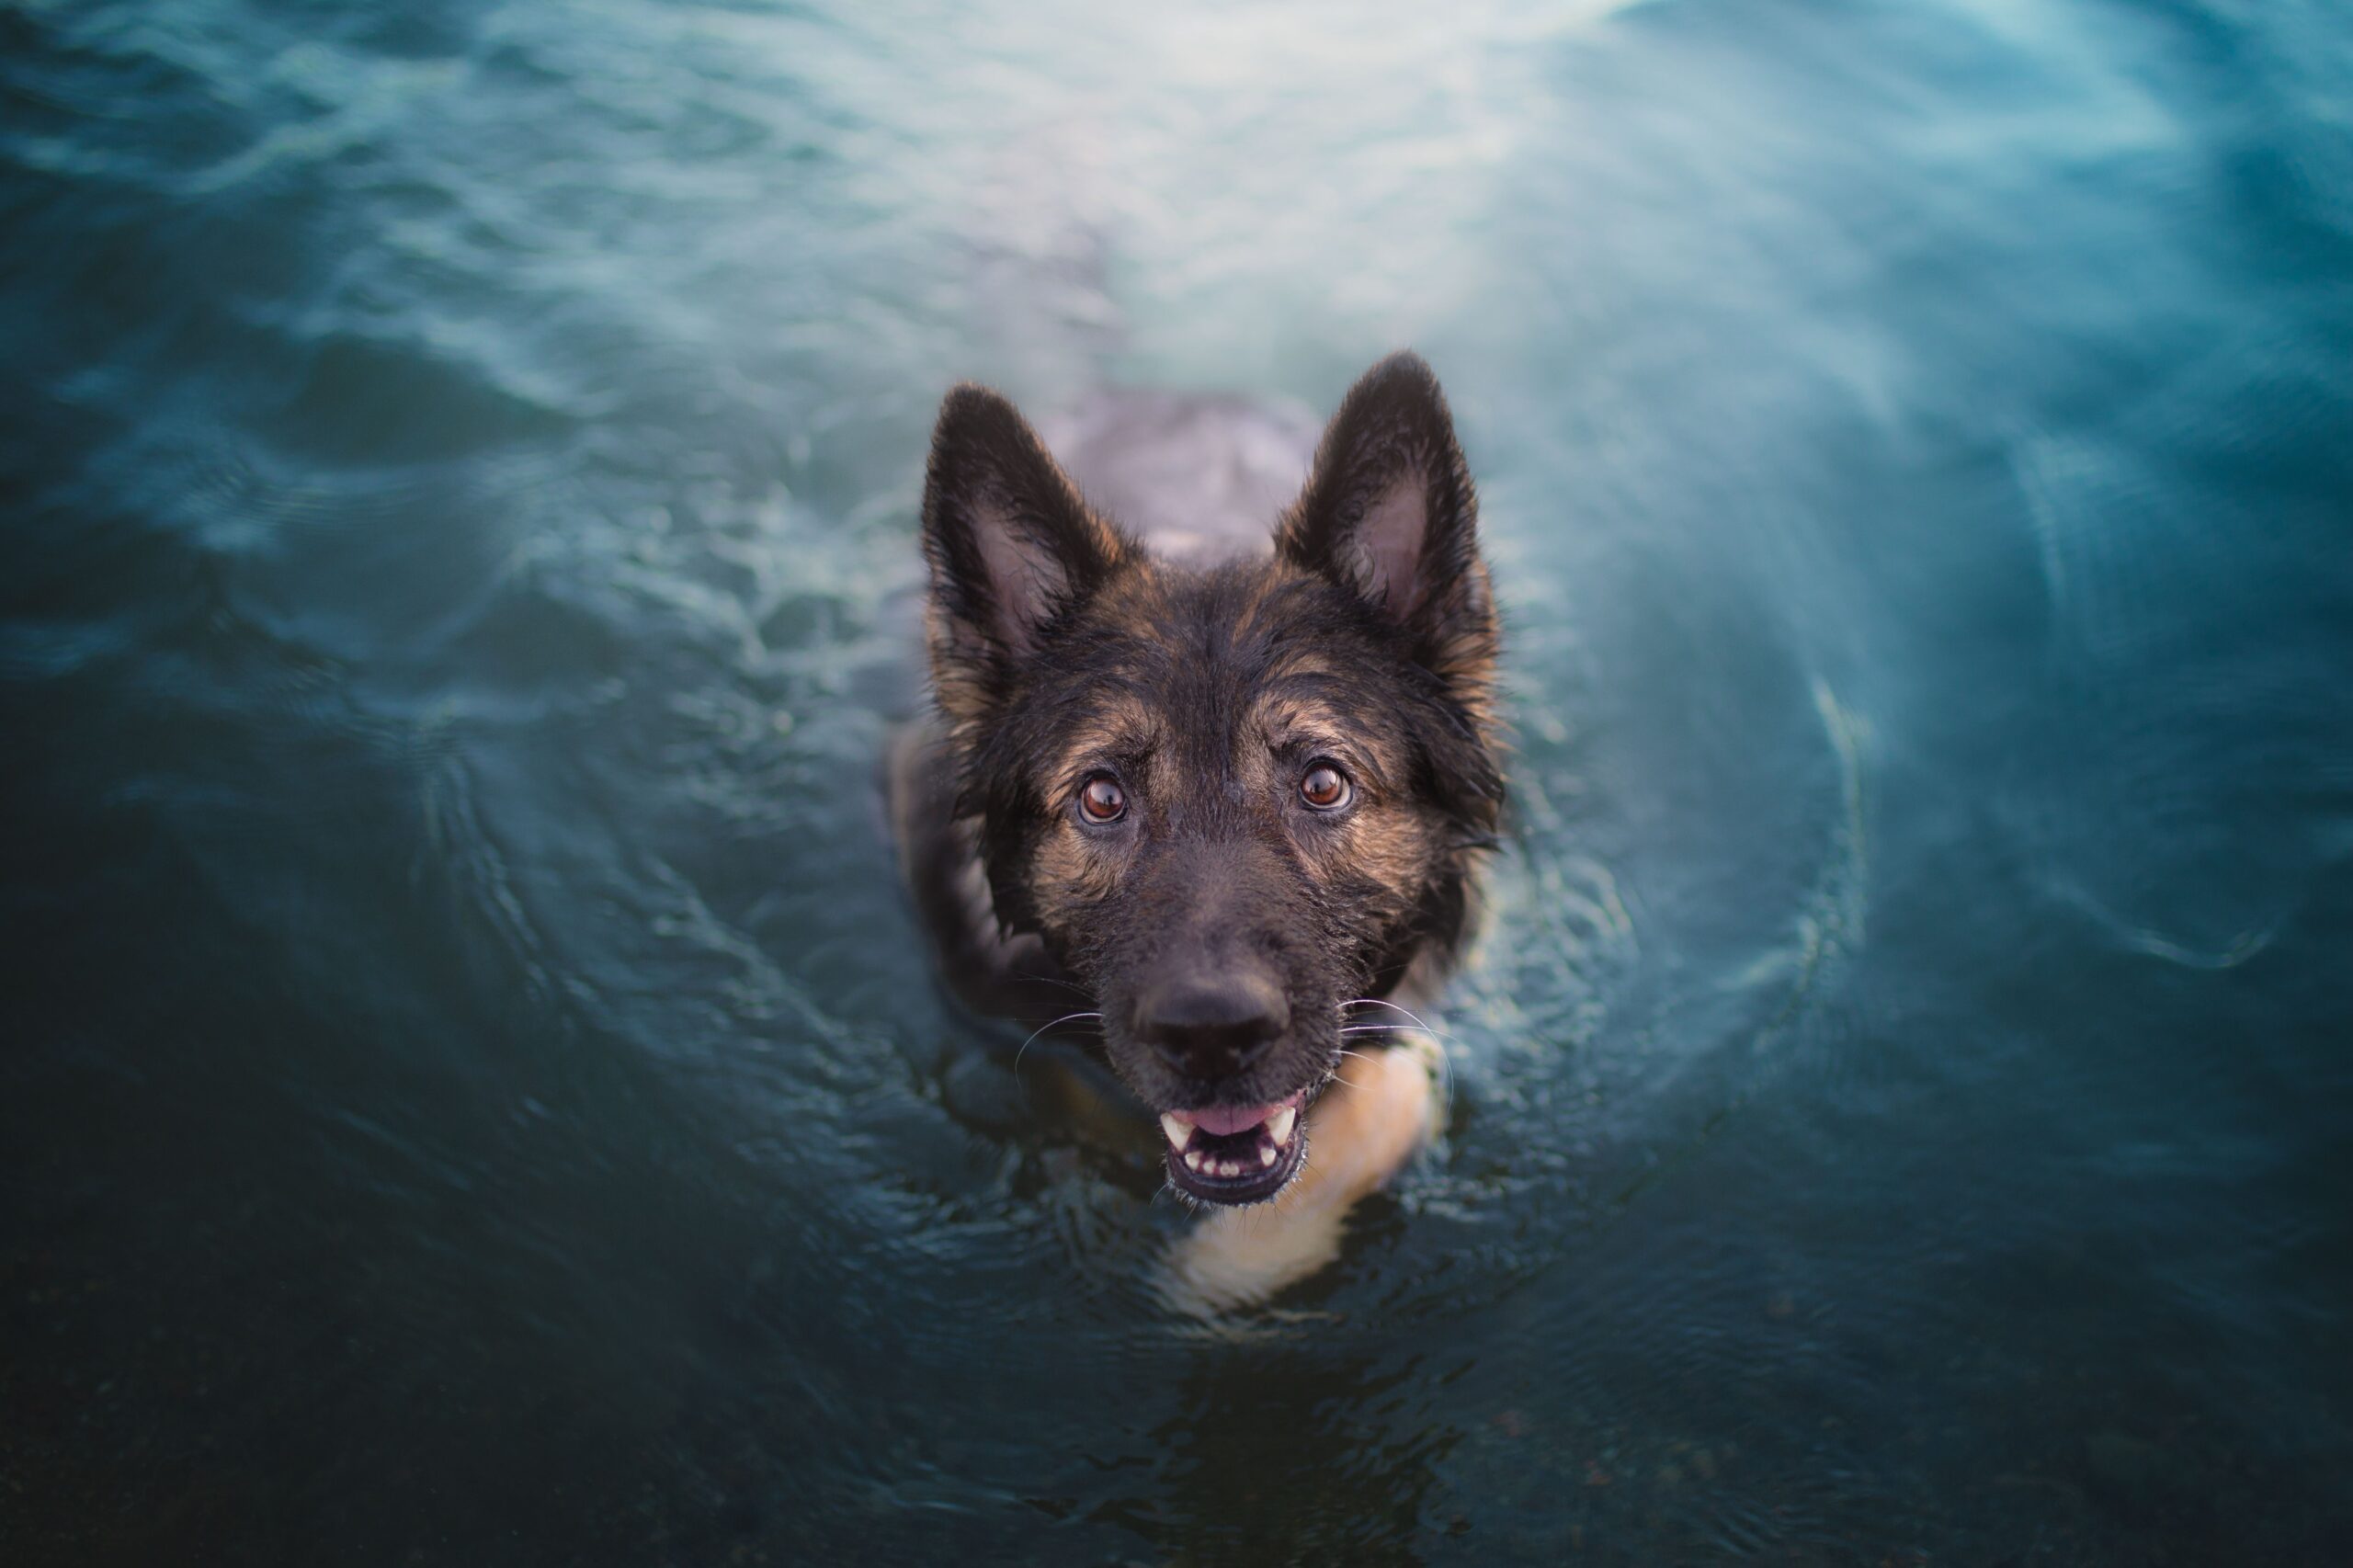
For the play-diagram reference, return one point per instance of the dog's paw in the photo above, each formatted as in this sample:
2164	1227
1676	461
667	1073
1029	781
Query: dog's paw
1360	1132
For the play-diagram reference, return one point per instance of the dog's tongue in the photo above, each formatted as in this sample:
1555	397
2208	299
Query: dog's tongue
1223	1120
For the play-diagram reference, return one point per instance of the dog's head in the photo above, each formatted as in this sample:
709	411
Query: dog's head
1231	802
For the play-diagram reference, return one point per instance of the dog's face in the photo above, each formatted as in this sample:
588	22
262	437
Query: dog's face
1234	803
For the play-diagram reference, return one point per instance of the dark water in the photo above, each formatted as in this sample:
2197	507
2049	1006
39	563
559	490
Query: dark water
473	1091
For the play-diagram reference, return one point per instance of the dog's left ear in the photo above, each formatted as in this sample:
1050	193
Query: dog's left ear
1389	510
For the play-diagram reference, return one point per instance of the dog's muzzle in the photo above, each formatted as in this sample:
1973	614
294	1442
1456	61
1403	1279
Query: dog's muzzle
1235	1153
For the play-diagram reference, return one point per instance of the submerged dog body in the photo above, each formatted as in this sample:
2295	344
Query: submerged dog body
1226	793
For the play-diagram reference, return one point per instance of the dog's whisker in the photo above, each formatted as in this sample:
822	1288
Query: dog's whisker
1042	1028
1377	1002
1444	1058
1439	1035
1050	980
1400	1028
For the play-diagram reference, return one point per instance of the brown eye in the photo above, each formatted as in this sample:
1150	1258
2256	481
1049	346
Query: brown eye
1325	787
1100	798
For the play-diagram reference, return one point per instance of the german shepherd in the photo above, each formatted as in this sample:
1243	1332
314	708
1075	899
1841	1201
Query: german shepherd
1228	783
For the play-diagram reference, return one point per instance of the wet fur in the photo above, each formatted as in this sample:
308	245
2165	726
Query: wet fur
1062	647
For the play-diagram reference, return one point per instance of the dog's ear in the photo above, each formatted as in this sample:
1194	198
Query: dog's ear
1389	510
1011	546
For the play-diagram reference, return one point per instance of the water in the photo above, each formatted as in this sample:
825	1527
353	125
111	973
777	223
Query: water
474	1090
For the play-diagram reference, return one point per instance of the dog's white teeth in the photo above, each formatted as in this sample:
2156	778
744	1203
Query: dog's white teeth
1278	1128
1222	1166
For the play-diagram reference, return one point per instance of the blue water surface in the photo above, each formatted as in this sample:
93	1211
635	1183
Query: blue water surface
472	1088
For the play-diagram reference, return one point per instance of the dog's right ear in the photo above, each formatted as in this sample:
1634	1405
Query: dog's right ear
1011	545
1390	513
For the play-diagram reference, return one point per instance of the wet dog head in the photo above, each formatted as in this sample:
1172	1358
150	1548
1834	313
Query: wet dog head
1232	802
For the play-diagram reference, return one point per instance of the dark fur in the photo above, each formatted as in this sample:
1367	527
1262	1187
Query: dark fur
1060	649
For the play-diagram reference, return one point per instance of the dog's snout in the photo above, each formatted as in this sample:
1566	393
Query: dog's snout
1212	1027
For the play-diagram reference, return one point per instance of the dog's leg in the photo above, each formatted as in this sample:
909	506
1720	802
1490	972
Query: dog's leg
1368	1124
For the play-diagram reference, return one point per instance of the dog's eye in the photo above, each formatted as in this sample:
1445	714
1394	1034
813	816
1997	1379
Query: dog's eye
1325	787
1100	798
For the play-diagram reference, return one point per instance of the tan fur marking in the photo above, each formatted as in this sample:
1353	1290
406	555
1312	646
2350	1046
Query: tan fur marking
1121	722
1275	574
1393	848
956	679
1072	873
1382	840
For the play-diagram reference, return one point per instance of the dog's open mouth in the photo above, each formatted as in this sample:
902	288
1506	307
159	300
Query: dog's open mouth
1235	1153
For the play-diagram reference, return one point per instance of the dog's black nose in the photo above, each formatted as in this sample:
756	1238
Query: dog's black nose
1212	1027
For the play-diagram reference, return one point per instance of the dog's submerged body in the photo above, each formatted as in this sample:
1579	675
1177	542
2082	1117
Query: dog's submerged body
1225	781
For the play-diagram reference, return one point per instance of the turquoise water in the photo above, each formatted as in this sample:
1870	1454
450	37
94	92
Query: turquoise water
473	1089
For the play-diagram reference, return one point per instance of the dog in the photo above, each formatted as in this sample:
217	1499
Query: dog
1224	767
